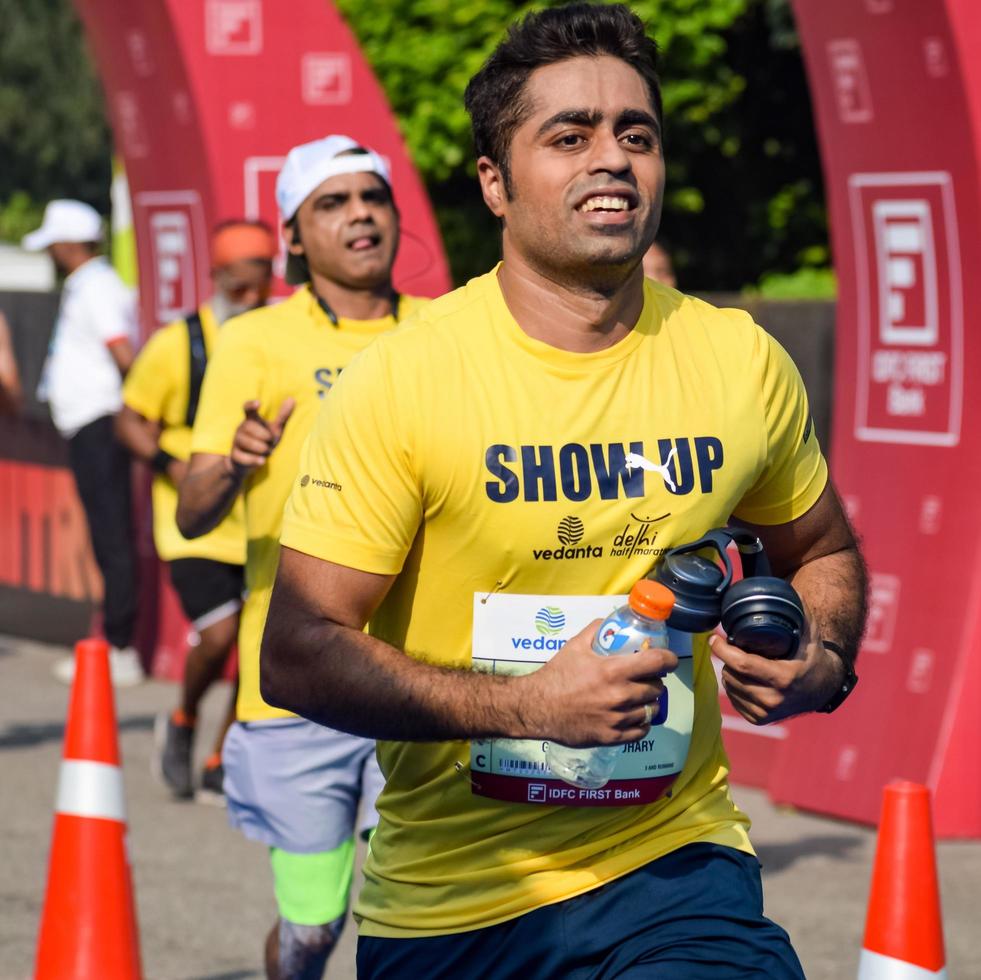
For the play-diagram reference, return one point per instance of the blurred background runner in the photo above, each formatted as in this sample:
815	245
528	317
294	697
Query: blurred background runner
91	350
160	400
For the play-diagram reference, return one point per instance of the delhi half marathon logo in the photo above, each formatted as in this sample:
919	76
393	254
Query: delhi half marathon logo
570	530
550	620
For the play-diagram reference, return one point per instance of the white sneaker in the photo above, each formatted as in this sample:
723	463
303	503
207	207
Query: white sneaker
125	668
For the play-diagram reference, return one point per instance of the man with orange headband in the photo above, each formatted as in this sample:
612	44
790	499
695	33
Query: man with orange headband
160	400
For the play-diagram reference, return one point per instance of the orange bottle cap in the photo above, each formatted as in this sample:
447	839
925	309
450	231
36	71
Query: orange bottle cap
651	599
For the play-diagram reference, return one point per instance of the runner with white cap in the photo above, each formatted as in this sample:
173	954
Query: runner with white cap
295	786
91	350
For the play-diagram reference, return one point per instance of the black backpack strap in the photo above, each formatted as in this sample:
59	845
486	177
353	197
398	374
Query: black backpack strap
199	361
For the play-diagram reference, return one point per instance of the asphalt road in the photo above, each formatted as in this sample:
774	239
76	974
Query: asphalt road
204	893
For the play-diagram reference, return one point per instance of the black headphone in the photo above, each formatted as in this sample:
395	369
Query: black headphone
762	614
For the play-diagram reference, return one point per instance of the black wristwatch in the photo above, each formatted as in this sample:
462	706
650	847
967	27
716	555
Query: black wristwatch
161	461
848	682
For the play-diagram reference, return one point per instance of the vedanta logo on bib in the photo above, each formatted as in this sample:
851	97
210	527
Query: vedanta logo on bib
549	621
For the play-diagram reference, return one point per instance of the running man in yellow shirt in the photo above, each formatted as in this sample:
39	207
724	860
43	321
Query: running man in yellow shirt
486	482
290	784
160	401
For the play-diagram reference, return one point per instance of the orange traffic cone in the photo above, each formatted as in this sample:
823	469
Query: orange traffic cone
904	937
88	927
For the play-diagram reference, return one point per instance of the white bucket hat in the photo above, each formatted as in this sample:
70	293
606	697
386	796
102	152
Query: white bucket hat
65	221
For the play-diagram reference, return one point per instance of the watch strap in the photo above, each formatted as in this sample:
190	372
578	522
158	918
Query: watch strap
161	461
848	681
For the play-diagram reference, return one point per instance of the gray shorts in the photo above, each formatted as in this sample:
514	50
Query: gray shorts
298	786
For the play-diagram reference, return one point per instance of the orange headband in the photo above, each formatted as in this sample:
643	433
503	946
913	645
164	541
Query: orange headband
235	242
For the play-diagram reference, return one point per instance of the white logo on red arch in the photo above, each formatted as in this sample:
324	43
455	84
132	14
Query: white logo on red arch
326	78
883	612
910	358
170	225
851	83
233	26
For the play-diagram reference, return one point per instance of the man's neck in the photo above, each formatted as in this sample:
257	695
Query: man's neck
77	264
354	304
581	320
221	307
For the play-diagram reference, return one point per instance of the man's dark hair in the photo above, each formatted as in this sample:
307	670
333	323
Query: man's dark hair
495	95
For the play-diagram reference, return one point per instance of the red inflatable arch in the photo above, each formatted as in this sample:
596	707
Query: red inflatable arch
896	86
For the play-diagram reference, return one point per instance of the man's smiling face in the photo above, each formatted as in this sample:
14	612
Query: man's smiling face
586	171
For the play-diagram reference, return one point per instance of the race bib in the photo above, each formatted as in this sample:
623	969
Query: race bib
516	634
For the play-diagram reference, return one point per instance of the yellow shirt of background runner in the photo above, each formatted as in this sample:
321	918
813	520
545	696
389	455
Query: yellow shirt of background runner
289	350
157	387
454	454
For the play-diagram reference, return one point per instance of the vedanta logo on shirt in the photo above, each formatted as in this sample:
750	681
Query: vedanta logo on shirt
306	480
614	469
570	532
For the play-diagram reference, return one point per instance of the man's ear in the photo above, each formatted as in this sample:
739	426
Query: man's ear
291	235
492	186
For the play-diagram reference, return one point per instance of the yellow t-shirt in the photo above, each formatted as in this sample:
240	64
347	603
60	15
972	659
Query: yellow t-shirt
290	350
157	387
457	453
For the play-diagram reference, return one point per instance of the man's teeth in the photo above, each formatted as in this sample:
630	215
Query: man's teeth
605	204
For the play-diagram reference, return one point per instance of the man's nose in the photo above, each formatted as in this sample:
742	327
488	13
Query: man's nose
359	210
608	154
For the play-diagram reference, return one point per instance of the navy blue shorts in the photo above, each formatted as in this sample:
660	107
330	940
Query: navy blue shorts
695	914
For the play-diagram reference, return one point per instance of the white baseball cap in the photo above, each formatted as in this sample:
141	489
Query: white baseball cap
65	221
308	165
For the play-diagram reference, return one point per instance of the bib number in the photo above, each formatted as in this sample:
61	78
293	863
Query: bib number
516	634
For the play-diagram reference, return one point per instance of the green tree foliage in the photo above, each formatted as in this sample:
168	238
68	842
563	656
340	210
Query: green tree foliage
54	139
744	191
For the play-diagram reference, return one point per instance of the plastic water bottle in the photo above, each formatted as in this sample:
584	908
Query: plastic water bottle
637	625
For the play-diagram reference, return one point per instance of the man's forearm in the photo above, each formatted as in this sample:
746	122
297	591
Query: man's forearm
348	680
206	496
835	590
138	435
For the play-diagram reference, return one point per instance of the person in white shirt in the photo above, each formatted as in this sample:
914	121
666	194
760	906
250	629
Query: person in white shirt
91	350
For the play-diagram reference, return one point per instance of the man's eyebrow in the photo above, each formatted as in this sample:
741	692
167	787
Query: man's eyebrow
638	117
575	117
593	117
330	196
